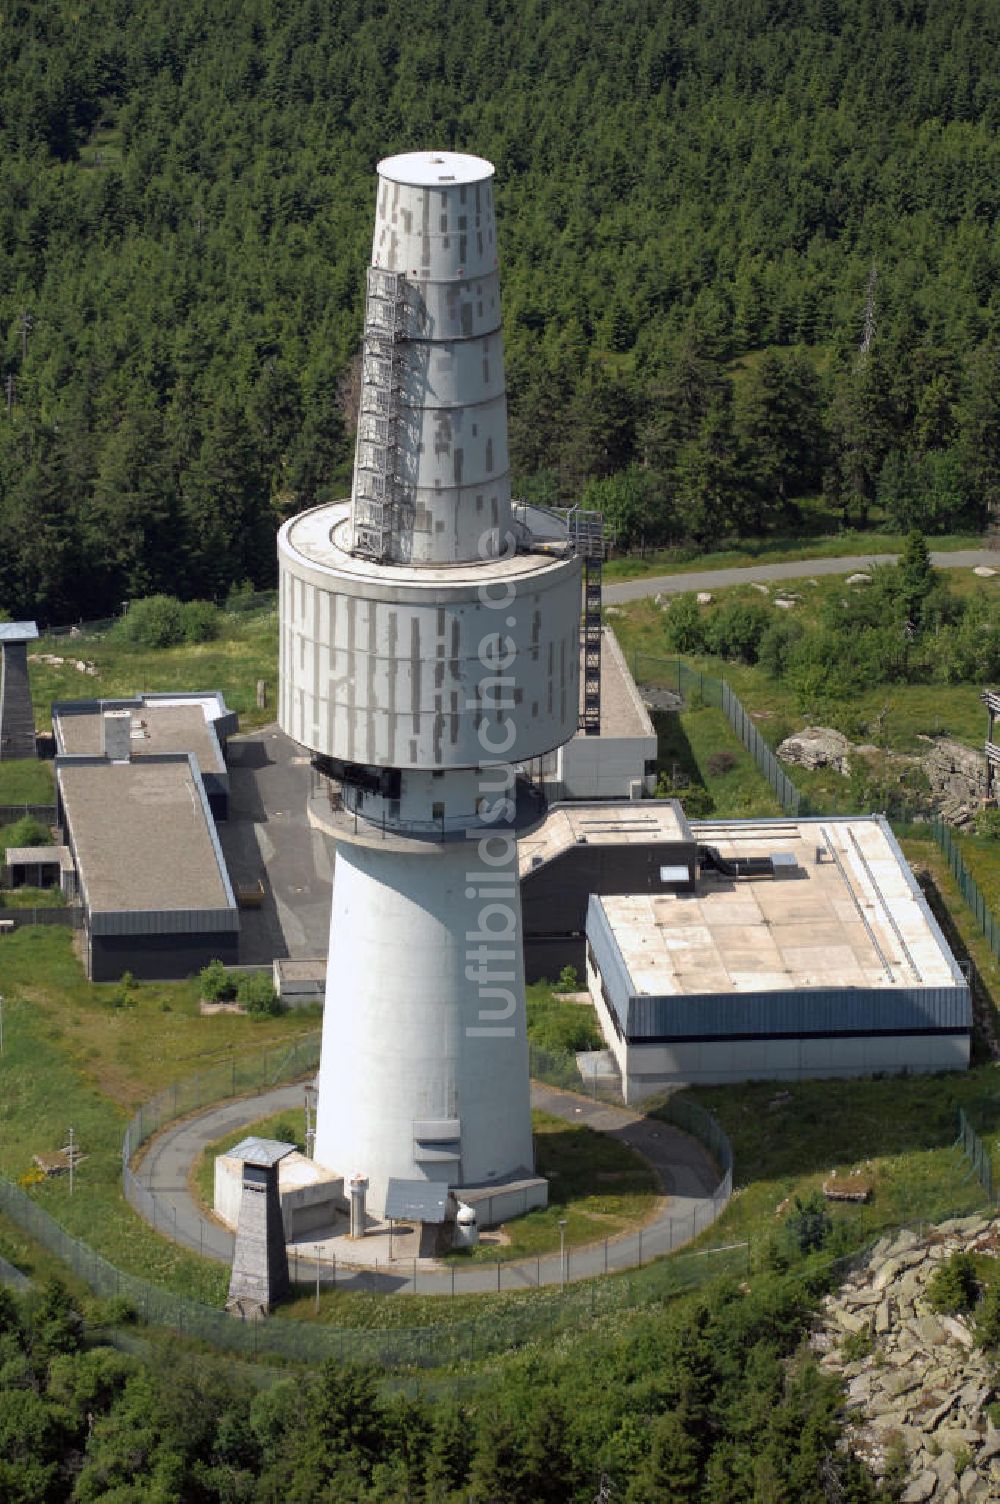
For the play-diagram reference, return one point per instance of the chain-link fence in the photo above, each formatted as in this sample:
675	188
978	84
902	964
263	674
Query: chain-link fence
10	813
237	603
403	1275
693	686
498	1330
975	1152
967	885
13	917
235	1077
907	817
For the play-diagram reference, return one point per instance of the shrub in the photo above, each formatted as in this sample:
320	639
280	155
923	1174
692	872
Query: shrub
568	980
735	630
217	986
988	1319
156	622
719	763
776	644
953	1286
28	832
200	621
255	991
810	1224
683	627
696	802
988	824
857	1345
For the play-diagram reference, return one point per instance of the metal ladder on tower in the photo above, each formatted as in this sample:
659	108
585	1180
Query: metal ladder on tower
586	531
381	380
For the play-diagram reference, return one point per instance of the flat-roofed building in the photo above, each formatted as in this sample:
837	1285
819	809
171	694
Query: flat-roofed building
155	891
594	847
804	948
619	763
159	723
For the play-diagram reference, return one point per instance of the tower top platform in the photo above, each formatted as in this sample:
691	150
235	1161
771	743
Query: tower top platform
18	631
434	169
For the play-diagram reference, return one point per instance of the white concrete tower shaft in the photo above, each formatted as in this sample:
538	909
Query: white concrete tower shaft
429	648
431	480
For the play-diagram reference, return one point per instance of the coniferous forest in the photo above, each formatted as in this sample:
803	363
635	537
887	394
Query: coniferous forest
698	203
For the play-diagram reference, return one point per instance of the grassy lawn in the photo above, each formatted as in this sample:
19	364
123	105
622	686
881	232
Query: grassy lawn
576	1159
26	781
31	898
289	1127
245	651
787	1137
699	749
74	1056
982	857
777	550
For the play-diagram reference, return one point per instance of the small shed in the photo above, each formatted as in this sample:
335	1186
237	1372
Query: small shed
39	867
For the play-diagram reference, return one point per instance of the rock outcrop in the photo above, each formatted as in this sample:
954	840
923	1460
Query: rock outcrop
921	1392
817	747
956	775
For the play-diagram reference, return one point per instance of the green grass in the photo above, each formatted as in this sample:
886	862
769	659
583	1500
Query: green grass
556	1024
31	898
290	1127
26	781
787	1137
699	747
924	852
777	550
575	1158
896	716
246	650
982	857
72	1058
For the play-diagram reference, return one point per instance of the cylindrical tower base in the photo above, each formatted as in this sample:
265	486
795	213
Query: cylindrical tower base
424	1072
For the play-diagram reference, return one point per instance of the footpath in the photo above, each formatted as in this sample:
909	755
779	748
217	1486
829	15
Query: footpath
617	594
684	1167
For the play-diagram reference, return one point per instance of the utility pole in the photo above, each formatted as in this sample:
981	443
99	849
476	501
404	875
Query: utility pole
868	334
72	1157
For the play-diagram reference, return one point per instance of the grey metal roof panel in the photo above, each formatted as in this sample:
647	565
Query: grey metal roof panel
416	1201
18	631
261	1151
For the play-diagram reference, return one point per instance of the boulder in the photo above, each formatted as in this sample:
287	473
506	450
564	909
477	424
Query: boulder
704	597
922	1487
957	777
817	747
859	579
984	571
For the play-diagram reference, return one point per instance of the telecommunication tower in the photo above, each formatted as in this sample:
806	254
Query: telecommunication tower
429	648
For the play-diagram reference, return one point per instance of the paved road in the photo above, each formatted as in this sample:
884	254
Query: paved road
796	569
685	1170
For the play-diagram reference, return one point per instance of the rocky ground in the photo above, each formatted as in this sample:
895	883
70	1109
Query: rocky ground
956	775
922	1390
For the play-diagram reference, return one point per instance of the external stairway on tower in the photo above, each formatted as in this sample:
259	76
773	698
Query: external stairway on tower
376	480
586	531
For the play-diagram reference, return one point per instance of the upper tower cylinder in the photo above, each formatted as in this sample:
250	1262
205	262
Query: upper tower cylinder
431	479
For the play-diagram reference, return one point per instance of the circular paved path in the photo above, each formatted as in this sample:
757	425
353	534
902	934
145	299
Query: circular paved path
685	1168
616	594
